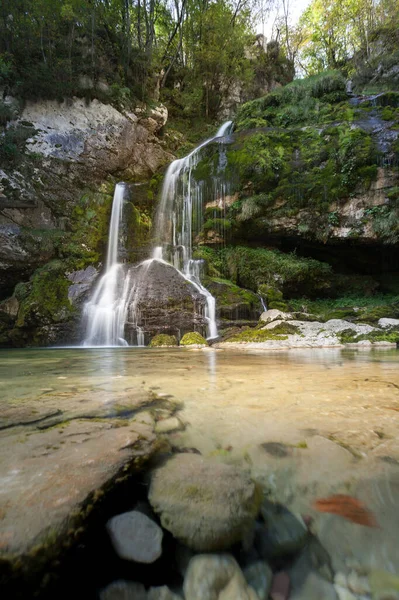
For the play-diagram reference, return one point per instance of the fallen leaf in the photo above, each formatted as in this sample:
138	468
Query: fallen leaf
347	507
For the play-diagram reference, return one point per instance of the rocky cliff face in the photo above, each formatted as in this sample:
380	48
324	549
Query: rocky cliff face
60	162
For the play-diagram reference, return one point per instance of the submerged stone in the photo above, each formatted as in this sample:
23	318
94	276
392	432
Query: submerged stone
208	574
259	577
204	504
123	590
162	593
284	534
135	537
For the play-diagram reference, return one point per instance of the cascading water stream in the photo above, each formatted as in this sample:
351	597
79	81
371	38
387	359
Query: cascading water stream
182	202
103	314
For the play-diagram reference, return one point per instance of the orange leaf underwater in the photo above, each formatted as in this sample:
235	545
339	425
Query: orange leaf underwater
347	507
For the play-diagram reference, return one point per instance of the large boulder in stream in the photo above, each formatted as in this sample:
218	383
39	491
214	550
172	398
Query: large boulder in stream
163	301
206	505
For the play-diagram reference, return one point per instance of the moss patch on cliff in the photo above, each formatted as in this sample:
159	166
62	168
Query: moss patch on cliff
44	299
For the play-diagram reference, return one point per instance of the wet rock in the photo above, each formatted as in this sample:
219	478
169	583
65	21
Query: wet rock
259	577
273	315
123	590
343	593
135	537
358	584
280	589
204	504
237	589
82	282
183	555
283	533
314	588
162	593
313	558
168	425
208	574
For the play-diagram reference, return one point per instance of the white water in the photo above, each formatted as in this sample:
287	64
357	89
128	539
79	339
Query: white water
103	314
182	204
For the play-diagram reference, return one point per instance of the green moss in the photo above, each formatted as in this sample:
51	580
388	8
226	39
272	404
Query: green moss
163	340
45	299
193	338
348	336
280	332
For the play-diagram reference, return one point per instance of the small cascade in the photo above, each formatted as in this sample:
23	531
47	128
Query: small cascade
103	314
180	218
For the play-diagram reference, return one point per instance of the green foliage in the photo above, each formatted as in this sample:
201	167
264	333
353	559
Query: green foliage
303	101
355	308
163	340
250	268
12	143
193	338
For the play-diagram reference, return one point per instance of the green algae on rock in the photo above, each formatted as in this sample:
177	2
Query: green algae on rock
193	338
164	340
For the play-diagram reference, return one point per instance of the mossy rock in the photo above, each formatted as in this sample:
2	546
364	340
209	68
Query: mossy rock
280	332
163	340
193	339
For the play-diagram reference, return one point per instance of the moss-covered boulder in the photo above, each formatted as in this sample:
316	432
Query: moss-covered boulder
193	338
225	498
233	302
164	340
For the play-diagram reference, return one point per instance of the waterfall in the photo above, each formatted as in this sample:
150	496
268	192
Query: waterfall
114	307
180	216
103	314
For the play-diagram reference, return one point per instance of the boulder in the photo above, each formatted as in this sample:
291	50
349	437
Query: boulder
123	590
237	589
273	315
135	537
206	505
387	323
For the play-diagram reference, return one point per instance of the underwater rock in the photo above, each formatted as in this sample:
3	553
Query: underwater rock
135	537
281	584
204	504
236	589
162	593
259	577
314	588
284	533
123	590
168	425
208	574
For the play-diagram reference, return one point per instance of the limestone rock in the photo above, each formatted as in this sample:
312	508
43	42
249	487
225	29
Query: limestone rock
259	577
208	574
135	537
123	590
274	315
161	593
386	323
204	504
